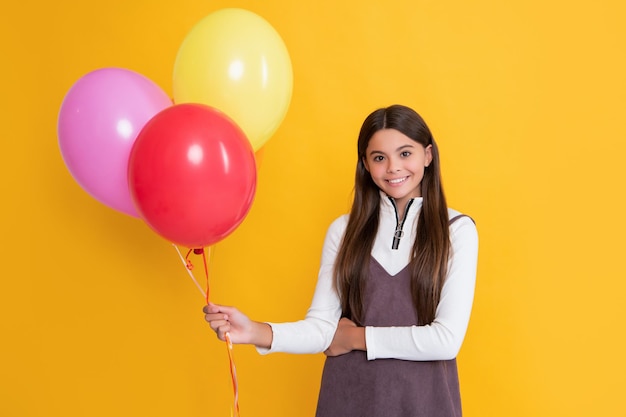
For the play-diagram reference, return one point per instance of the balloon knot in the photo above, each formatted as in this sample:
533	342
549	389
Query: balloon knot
198	251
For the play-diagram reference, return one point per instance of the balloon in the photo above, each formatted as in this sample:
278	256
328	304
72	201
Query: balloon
98	123
192	175
235	61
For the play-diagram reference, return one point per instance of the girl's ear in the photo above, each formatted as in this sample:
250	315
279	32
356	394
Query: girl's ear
428	155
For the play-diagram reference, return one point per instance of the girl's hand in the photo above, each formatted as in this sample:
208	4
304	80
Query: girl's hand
348	337
240	328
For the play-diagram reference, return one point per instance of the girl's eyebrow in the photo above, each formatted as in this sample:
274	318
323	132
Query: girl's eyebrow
397	150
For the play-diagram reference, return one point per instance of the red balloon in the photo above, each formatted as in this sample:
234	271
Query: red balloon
192	175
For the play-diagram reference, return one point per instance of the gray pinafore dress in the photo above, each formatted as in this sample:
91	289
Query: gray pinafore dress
352	386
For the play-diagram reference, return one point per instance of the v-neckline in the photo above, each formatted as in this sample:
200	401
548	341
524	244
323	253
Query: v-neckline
385	270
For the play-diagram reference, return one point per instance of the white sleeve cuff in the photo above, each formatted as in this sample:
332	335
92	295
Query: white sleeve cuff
369	343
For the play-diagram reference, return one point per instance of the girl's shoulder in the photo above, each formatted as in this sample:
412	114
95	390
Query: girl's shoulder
461	224
339	224
455	215
335	231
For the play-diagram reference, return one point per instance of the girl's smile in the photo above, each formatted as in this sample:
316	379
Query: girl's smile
397	181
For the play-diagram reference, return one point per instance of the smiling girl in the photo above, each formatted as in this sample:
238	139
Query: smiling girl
395	286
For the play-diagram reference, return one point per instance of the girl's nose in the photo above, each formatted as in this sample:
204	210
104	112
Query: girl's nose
393	165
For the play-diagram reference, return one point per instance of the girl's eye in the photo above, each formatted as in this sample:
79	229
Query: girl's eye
405	154
378	158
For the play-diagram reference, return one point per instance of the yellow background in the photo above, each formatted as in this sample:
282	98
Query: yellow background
527	101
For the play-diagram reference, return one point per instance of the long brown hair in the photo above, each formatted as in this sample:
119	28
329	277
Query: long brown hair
431	248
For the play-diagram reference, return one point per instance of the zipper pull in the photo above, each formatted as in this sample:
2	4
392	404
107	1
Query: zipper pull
399	233
397	236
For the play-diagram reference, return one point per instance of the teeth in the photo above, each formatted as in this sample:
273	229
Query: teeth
397	181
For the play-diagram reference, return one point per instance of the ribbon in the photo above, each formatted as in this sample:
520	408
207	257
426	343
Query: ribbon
205	293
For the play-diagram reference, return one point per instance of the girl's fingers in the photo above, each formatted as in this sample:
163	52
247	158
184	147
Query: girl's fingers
217	324
216	316
211	308
222	330
219	316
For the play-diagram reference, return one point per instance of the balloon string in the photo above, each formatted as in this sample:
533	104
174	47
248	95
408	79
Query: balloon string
206	254
189	267
233	374
229	345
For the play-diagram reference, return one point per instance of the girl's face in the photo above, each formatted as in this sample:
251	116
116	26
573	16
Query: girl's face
396	164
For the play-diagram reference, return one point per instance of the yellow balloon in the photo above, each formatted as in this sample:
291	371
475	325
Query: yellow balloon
235	61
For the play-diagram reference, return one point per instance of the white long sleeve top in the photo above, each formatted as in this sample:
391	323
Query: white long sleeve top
439	340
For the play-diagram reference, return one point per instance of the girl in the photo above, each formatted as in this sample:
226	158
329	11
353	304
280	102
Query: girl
395	286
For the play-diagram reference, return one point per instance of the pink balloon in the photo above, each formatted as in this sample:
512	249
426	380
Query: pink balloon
99	121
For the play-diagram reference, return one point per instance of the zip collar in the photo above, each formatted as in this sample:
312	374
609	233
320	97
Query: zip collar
399	233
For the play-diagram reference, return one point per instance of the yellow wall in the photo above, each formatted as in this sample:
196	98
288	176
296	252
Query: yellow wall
527	100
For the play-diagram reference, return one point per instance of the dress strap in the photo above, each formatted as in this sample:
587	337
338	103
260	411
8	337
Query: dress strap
457	217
